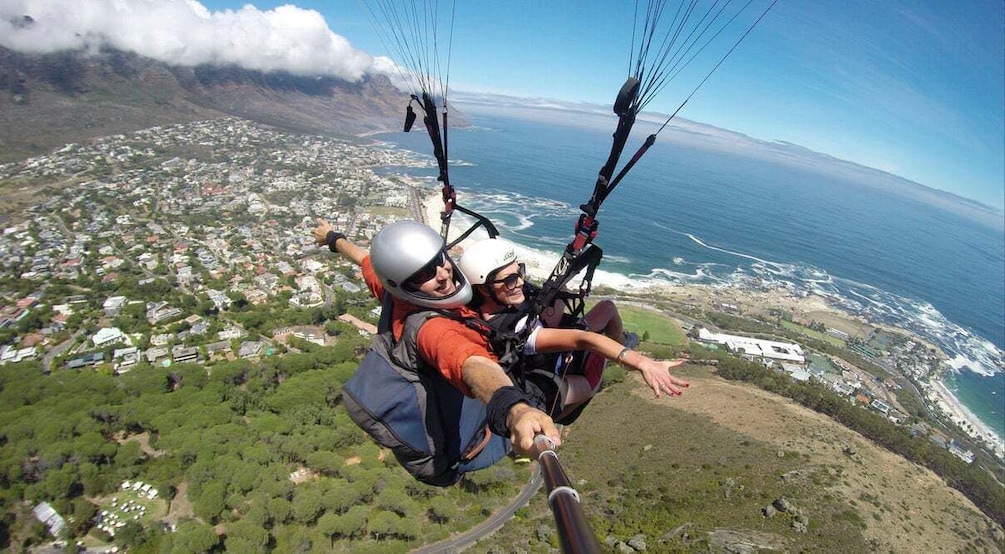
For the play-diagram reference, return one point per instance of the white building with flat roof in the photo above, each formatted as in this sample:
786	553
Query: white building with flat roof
773	350
50	518
106	336
113	305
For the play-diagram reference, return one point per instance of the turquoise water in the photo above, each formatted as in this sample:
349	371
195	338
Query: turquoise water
985	396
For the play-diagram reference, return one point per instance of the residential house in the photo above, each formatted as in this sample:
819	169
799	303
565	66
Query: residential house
350	287
147	260
773	350
306	299
185	274
93	358
364	327
266	281
206	258
220	299
961	452
311	265
14	355
250	349
107	335
256	296
124	358
881	407
310	337
113	305
215	348
231	332
158	312
796	372
154	354
844	389
307	282
837	333
50	518
184	354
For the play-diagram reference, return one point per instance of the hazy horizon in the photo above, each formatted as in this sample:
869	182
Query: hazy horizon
703	135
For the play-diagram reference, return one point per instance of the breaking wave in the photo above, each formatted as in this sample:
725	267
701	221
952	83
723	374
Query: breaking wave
542	226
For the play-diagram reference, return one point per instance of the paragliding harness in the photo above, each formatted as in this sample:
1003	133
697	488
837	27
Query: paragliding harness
435	432
581	256
580	259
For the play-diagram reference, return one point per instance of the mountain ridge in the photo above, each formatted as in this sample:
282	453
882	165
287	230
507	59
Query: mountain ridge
69	96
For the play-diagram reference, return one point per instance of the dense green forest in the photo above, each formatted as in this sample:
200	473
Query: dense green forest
220	445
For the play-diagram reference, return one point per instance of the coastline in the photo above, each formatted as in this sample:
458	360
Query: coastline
946	402
809	307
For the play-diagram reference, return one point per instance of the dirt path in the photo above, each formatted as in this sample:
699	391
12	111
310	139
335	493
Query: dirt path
144	441
180	506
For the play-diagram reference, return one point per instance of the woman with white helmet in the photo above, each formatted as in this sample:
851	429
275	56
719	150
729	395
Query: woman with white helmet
501	297
487	264
408	260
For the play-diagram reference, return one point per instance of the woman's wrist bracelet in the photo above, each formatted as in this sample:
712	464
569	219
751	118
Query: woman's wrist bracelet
623	354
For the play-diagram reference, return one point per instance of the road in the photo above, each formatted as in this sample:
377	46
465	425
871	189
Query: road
57	350
459	542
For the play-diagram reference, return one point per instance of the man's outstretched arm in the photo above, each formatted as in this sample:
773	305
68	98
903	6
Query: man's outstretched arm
326	235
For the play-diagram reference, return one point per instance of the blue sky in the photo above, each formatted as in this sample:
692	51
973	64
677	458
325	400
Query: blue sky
916	88
912	87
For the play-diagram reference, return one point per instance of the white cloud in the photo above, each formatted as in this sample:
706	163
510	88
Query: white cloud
184	32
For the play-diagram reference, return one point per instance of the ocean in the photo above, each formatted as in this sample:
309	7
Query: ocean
694	215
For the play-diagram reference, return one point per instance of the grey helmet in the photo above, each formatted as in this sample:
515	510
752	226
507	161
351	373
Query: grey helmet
401	250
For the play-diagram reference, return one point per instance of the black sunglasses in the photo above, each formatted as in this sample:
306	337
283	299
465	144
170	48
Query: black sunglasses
427	271
511	280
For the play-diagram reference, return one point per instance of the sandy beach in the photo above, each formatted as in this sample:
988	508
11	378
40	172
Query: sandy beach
812	307
948	404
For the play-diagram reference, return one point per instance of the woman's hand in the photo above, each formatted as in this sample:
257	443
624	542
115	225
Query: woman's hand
658	377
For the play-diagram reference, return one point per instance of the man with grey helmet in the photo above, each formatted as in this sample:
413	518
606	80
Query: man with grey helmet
408	260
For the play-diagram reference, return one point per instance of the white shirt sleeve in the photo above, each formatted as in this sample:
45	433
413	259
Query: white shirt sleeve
530	347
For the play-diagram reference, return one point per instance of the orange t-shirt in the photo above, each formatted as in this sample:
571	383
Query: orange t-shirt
442	342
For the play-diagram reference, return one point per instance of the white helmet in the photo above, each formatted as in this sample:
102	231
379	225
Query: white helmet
483	258
403	249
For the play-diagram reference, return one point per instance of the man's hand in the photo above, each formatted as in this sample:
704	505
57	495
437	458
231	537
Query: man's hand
525	423
321	232
484	377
